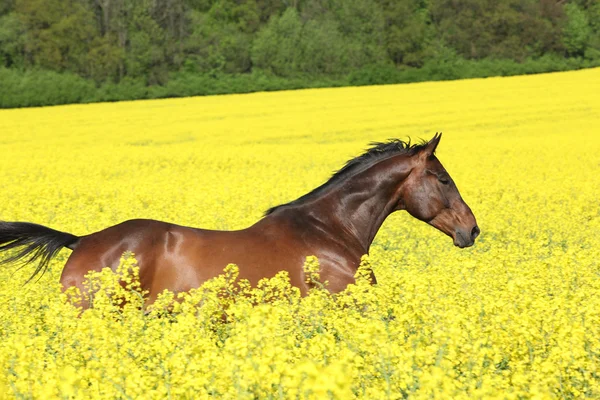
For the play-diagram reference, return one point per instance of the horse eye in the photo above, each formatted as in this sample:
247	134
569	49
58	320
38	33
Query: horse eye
444	181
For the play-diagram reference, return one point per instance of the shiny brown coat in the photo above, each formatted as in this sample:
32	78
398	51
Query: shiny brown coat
336	222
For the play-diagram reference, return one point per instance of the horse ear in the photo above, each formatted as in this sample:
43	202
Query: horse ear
430	147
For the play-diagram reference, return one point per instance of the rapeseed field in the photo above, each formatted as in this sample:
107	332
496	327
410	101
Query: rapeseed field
517	316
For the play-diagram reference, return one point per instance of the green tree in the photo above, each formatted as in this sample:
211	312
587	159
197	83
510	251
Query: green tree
514	29
577	31
277	47
172	17
593	49
408	31
108	55
145	56
245	15
323	48
6	7
126	46
291	45
362	25
216	46
12	41
58	33
105	60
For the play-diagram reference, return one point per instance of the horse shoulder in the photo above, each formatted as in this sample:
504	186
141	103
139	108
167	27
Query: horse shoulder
302	237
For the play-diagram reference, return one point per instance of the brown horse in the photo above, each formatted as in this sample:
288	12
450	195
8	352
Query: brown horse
335	222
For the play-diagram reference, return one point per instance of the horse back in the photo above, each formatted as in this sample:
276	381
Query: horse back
180	258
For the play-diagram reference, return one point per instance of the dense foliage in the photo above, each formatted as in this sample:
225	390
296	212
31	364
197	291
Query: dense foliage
517	316
60	51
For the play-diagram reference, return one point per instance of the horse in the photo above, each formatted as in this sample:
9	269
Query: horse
336	222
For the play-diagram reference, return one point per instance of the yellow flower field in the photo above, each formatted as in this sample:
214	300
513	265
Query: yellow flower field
517	316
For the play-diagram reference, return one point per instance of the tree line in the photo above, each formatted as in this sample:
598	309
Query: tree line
148	46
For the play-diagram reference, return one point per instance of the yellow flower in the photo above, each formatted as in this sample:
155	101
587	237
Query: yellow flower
516	316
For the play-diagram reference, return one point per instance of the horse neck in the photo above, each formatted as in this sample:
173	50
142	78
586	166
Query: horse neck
357	206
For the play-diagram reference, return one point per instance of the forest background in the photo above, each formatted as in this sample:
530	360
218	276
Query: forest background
79	51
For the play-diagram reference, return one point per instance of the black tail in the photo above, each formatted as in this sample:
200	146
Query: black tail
33	242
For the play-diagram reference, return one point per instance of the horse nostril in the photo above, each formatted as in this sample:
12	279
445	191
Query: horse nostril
475	232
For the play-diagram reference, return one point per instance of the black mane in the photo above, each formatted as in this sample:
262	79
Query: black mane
377	152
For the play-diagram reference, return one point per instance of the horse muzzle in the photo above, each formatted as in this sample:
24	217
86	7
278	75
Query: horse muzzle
464	238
